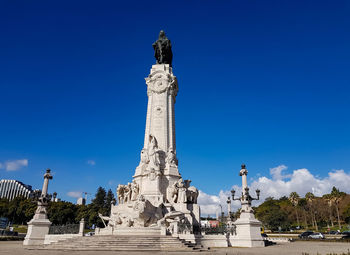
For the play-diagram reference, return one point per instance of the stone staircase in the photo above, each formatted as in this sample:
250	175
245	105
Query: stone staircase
123	243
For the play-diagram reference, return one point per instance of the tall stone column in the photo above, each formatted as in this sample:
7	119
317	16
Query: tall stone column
39	226
158	166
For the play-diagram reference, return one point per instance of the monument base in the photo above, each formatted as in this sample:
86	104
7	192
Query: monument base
125	231
37	229
248	232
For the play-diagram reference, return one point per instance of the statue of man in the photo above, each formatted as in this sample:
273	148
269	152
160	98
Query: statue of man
162	49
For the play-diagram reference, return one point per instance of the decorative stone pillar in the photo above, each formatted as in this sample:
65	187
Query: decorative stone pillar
81	227
248	232
39	226
228	208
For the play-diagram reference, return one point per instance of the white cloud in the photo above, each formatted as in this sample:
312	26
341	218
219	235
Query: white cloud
210	204
276	172
91	162
75	194
13	165
278	185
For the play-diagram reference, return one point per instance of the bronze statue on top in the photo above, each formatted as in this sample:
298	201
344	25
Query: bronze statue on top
162	49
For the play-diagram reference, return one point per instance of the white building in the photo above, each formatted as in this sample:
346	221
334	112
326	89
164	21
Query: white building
11	188
81	201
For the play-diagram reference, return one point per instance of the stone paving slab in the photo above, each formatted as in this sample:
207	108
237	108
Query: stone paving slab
295	248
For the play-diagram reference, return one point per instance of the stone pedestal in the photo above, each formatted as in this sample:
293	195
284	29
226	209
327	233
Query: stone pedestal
248	232
37	229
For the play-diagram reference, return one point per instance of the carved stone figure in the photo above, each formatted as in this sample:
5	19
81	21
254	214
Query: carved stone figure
134	190
105	218
144	156
127	193
182	196
192	195
172	193
120	193
147	213
187	183
171	158
162	49
153	155
192	192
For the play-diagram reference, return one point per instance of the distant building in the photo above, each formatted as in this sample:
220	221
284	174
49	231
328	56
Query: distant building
11	188
205	224
81	201
214	223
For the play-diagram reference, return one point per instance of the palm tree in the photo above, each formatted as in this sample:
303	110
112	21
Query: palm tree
303	204
294	199
336	196
310	197
329	200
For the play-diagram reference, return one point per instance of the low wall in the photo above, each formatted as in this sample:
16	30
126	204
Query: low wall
55	238
214	241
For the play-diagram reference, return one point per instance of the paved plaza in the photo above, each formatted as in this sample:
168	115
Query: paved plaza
16	248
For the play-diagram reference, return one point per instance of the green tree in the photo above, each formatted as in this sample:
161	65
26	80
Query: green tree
346	214
61	213
310	198
336	197
100	198
26	210
4	205
329	200
98	205
294	199
271	215
303	205
109	200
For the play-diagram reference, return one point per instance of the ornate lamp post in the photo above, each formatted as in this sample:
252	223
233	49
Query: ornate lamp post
246	199
247	227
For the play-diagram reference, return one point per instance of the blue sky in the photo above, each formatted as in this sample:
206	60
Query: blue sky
261	82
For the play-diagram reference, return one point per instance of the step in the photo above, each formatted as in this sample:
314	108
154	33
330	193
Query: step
123	243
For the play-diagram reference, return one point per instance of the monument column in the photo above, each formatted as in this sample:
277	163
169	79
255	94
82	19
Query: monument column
158	168
157	196
39	226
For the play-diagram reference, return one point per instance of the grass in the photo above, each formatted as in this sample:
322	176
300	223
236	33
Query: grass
20	228
11	238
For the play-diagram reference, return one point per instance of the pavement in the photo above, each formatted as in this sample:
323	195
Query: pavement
300	247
